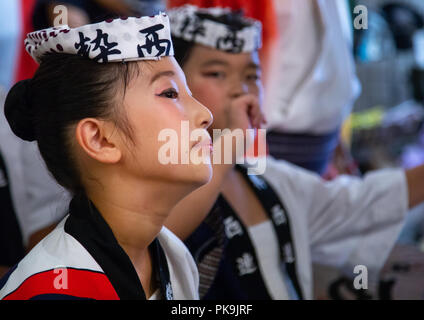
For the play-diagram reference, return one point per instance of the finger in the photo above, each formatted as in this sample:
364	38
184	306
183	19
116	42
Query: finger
247	100
262	119
258	120
249	103
254	111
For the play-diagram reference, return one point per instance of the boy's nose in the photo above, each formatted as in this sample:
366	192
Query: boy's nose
239	89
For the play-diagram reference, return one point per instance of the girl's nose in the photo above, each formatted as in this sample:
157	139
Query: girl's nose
203	116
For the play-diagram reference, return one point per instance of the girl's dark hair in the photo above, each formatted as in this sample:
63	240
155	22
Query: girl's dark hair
65	89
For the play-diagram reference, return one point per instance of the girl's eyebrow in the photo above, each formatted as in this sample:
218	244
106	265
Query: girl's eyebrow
168	73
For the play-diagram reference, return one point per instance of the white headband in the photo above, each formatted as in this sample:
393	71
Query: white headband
124	39
189	24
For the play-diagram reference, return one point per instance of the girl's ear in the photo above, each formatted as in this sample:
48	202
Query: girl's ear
97	139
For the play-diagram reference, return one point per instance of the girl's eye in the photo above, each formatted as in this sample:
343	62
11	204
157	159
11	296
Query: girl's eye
169	94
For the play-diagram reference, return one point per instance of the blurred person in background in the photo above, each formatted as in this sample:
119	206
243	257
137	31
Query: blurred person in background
312	85
29	198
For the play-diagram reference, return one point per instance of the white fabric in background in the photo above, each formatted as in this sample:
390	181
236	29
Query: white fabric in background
312	84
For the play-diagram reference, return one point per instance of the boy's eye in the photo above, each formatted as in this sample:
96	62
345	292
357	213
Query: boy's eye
253	77
169	94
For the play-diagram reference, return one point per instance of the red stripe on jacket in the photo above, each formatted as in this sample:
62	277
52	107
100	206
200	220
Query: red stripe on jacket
65	281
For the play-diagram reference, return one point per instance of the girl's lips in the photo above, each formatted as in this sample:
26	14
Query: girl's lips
207	143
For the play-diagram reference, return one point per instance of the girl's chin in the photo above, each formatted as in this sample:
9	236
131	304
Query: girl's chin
201	173
194	175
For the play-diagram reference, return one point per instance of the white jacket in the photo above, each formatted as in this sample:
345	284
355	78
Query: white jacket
341	223
312	83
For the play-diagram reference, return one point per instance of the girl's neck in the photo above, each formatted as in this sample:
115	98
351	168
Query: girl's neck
136	212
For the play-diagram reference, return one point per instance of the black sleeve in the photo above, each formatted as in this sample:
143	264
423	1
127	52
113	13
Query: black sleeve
11	243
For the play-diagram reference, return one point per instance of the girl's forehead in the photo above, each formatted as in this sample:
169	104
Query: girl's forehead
149	70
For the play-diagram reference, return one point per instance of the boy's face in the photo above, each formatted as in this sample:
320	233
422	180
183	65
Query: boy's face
216	78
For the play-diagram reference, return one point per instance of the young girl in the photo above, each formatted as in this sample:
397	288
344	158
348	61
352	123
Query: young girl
96	106
256	236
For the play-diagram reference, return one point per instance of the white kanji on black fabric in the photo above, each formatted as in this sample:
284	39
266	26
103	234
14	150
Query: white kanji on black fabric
203	26
246	264
278	215
232	227
123	39
169	293
288	253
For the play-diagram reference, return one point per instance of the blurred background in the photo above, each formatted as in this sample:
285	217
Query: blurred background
387	117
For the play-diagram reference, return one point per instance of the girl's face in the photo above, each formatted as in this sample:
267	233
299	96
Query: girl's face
216	78
158	105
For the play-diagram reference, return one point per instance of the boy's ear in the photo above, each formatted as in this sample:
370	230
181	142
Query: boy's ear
97	139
